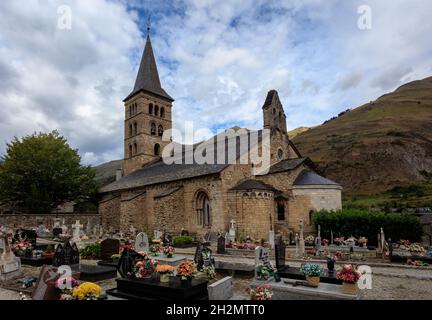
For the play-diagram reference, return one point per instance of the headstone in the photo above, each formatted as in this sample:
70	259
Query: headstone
10	265
132	231
272	239
127	262
66	254
64	227
297	244
142	242
221	243
108	248
88	227
318	242
45	285
301	239
210	237
157	234
198	255
22	235
232	232
331	237
77	232
56	223
207	257
262	258
382	238
222	289
280	252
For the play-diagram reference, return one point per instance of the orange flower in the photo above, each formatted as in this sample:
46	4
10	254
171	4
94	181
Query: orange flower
164	268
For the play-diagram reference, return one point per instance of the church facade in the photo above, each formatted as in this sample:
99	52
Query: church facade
154	195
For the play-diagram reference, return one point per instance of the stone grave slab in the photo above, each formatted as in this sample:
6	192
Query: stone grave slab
222	289
174	261
95	273
153	289
109	247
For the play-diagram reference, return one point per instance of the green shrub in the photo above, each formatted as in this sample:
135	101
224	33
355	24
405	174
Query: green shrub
91	252
358	222
182	240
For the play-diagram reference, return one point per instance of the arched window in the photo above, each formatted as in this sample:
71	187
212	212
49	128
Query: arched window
274	110
135	128
130	130
280	209
153	129
203	209
162	112
156	110
160	131
157	149
311	217
151	108
130	151
130	111
135	148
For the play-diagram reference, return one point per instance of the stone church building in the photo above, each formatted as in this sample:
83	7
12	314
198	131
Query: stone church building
152	195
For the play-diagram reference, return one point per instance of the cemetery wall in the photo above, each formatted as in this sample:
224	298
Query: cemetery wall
109	210
29	221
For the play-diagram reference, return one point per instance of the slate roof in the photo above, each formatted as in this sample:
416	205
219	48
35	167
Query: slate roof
286	165
148	77
253	184
307	177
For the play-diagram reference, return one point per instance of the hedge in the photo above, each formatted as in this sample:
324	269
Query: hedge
182	240
363	223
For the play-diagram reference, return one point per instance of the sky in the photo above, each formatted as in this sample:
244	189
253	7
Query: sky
68	65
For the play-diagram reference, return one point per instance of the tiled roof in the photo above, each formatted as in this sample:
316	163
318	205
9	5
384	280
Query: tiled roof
307	177
253	184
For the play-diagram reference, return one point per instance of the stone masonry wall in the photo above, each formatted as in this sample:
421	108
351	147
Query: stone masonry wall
109	211
29	221
170	211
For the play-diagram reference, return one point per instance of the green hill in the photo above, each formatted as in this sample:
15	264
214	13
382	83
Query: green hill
376	147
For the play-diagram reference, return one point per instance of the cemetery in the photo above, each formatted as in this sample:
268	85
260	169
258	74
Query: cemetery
79	261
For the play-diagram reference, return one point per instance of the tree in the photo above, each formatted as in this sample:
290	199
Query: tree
41	171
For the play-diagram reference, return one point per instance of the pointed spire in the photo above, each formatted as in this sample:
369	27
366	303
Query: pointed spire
272	99
148	76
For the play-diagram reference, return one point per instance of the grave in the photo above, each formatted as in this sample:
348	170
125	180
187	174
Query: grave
109	247
222	289
142	242
262	258
66	254
23	235
10	265
174	261
152	288
221	243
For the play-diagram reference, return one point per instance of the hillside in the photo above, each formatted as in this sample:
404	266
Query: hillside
295	132
106	172
378	146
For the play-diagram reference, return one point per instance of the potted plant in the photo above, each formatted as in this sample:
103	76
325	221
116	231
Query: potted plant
165	271
186	271
260	293
169	251
144	269
155	248
263	273
309	240
312	273
349	275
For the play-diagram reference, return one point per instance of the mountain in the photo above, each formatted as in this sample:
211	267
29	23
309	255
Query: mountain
297	131
106	172
379	146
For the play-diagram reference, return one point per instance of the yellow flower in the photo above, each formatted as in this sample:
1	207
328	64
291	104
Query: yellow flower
87	290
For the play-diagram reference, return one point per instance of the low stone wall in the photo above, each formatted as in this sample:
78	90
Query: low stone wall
29	221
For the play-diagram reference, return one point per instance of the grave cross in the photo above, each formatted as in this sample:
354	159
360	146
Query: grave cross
77	231
301	240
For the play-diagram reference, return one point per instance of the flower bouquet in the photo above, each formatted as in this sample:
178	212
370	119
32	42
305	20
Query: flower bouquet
155	247
186	270
169	251
363	241
312	273
144	269
87	291
22	249
309	240
349	275
210	272
263	273
325	242
165	271
260	293
339	241
66	285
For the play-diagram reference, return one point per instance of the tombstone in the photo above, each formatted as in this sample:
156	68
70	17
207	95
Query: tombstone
301	240
56	223
64	227
57	232
127	262
132	231
142	242
88	227
157	234
10	265
198	255
297	244
318	242
108	248
207	258
262	258
222	289
232	232
379	243
272	239
221	243
280	252
66	254
331	237
382	238
77	232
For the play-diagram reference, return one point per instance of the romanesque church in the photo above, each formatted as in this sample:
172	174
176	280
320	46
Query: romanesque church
152	195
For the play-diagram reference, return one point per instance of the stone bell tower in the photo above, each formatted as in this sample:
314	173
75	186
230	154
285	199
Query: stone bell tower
147	115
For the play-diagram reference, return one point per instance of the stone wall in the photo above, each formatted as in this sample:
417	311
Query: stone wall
29	221
109	210
170	211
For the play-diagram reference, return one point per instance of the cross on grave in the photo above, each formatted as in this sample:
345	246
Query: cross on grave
301	239
77	231
318	242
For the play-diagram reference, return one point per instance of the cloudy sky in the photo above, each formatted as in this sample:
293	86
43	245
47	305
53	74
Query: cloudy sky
218	59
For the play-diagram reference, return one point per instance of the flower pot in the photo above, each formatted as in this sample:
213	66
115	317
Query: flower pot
314	281
164	277
349	288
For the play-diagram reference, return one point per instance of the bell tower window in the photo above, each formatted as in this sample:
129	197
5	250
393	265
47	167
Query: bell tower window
162	112
135	128
153	129
151	108
157	149
160	131
130	151
156	111
130	130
